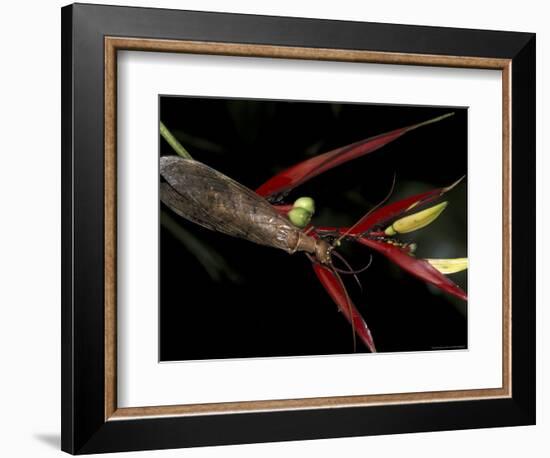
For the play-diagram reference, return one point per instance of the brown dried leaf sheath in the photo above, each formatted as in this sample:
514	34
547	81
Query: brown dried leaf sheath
211	199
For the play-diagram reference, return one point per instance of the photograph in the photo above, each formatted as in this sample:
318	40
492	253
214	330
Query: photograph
300	228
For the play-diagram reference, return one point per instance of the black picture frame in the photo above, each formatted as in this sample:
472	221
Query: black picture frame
85	428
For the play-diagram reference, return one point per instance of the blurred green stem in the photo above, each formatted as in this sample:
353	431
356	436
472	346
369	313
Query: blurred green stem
173	142
213	263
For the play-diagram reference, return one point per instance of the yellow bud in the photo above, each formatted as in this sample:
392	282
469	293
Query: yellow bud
299	217
307	203
390	231
416	220
449	266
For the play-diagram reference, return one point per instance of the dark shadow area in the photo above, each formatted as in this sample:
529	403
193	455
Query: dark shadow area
50	439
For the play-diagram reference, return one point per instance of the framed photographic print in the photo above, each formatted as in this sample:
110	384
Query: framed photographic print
281	228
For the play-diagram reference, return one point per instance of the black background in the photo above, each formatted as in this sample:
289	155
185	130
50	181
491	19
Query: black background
253	301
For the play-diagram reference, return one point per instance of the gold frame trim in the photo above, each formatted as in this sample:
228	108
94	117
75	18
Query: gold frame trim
114	44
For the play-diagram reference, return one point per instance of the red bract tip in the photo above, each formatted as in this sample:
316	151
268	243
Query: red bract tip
336	291
420	268
303	171
391	211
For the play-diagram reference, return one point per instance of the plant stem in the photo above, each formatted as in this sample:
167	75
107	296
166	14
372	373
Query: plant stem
173	142
214	264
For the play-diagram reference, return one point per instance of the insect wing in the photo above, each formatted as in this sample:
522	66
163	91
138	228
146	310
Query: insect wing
213	200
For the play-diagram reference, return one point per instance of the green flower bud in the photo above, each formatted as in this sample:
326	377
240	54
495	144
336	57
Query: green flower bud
307	203
299	217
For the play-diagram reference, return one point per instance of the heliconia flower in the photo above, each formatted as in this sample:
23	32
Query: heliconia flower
405	216
377	229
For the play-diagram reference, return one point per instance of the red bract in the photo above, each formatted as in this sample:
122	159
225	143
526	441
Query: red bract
420	268
402	256
385	214
303	171
369	231
336	290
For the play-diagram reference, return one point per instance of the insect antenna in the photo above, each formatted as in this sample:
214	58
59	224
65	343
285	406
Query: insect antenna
378	205
350	308
350	270
341	258
348	300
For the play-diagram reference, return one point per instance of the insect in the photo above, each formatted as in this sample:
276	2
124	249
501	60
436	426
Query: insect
211	199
